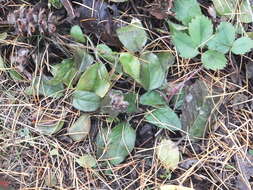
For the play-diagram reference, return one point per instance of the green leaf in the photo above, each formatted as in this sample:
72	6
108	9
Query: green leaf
250	152
2	67
196	110
102	139
131	98
87	161
200	30
164	118
168	154
55	3
246	12
3	36
152	73
213	60
152	98
77	34
81	128
82	60
14	74
63	73
223	39
184	45
131	65
186	10
88	79
40	86
166	59
86	101
225	7
133	36
242	45
121	143
95	79
178	99
106	53
173	27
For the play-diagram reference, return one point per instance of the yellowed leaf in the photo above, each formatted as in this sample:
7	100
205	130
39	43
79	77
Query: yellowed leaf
168	154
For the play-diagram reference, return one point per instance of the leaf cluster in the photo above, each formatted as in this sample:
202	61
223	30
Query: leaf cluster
197	34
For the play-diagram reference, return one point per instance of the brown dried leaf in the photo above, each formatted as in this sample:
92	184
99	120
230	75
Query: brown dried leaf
95	17
161	9
245	167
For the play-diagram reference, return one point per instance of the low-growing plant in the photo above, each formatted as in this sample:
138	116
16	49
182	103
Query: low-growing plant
196	35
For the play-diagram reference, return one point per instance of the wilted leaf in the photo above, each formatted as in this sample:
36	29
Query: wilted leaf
249	71
40	86
186	10
196	110
246	12
48	123
200	30
242	45
131	65
223	38
81	128
174	187
164	118
245	169
86	101
95	79
152	72
133	36
168	154
116	102
225	7
120	144
50	179
87	161
54	152
185	45
77	34
214	60
152	98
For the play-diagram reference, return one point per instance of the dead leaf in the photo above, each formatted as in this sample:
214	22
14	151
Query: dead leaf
244	164
196	110
97	17
161	9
